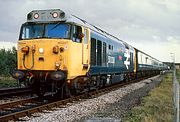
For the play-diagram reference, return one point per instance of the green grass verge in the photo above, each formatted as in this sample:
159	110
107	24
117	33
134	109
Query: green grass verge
156	107
7	82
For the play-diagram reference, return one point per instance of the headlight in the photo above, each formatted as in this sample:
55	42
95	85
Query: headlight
55	15
36	16
41	50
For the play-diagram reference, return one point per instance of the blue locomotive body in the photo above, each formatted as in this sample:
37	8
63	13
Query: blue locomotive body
110	56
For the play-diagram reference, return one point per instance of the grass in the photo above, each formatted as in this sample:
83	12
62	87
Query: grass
7	82
157	106
178	74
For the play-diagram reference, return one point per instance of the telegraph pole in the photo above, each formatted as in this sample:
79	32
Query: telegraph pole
175	91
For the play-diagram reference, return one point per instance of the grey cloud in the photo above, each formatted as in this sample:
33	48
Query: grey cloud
126	19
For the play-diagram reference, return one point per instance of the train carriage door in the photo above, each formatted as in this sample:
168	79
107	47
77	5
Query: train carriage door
85	48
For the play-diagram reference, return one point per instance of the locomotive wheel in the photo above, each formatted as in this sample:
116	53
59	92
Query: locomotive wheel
41	91
73	91
38	88
30	82
64	91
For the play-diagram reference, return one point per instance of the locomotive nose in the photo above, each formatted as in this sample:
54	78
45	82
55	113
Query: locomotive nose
43	55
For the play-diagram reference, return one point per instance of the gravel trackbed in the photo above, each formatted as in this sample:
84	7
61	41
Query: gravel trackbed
110	107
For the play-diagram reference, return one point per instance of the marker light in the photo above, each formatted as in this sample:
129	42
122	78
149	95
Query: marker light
61	50
36	16
57	65
55	49
55	15
41	50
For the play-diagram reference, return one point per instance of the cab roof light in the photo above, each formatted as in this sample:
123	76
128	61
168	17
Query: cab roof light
46	15
55	15
58	15
36	16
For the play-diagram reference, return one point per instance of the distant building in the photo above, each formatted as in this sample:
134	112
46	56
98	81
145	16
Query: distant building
170	64
177	65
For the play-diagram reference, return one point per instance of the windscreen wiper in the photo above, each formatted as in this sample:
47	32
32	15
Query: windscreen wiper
55	26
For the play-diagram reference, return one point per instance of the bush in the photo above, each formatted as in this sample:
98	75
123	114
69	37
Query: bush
8	61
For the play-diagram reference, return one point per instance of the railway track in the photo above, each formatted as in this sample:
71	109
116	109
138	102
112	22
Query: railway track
18	109
14	91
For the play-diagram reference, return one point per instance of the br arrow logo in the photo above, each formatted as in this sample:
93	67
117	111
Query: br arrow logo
127	61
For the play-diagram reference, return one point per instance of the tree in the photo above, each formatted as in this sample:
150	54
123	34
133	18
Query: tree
8	61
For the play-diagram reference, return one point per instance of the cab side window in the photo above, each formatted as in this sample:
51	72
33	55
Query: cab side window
85	36
77	34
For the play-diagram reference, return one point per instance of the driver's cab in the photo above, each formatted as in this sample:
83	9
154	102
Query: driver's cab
79	50
77	33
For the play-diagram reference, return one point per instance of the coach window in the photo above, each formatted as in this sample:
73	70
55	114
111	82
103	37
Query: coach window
146	60
109	47
77	34
141	59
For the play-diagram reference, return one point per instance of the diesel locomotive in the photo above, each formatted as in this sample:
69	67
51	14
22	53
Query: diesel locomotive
62	53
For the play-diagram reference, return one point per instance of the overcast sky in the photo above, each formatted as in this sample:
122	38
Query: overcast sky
149	25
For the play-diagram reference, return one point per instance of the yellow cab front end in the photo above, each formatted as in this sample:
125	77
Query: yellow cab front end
43	57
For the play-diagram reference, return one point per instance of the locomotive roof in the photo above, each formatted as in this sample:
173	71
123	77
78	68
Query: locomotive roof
148	55
57	15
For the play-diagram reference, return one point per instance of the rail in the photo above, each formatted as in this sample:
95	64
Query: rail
14	91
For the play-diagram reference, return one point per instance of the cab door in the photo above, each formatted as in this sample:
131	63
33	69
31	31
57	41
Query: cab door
85	41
